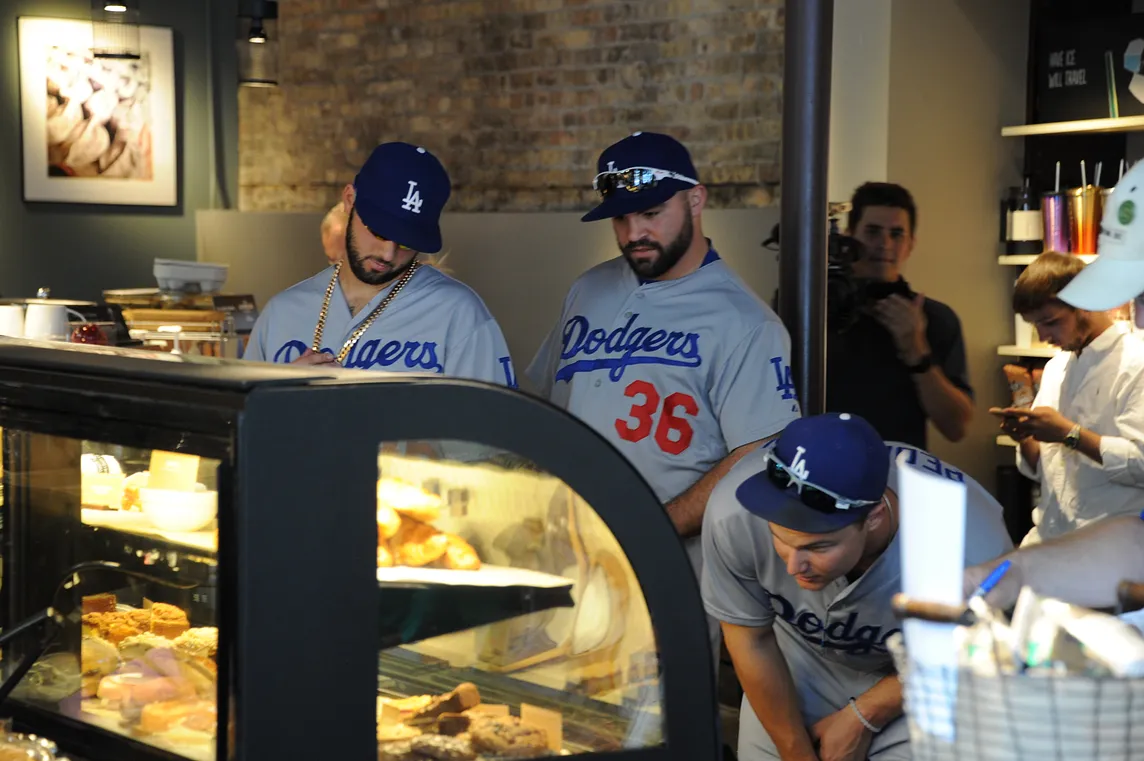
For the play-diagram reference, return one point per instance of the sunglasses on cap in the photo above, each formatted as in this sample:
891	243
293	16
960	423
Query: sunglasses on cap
814	497
634	179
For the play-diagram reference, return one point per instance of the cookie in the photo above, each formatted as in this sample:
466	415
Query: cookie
443	748
397	751
506	736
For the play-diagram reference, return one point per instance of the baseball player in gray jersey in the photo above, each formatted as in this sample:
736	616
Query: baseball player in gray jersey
380	308
801	558
664	351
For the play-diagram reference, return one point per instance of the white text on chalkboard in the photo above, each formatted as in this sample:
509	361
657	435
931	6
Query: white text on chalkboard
1059	59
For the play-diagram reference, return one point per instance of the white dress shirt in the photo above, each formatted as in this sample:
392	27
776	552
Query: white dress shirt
1100	389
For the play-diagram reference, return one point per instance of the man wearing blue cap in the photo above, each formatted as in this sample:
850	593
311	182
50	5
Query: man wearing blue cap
664	350
801	558
379	308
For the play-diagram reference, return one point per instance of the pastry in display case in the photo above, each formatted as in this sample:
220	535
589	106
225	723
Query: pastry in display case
137	657
580	676
189	570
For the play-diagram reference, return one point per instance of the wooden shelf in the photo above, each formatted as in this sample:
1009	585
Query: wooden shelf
1047	352
1005	441
1086	126
1024	259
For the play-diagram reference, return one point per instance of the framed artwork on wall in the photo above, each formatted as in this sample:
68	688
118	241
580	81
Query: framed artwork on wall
96	130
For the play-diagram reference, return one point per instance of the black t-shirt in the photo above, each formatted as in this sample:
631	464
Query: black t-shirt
864	375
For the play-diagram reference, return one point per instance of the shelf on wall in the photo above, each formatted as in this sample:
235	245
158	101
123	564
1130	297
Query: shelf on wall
1120	124
1005	441
1025	259
1047	352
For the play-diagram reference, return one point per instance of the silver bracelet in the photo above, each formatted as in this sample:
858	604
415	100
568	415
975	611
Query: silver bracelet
865	722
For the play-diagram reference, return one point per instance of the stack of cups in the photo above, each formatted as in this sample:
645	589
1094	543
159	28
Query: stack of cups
12	320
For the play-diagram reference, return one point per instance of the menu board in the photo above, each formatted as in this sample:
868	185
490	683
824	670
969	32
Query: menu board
1090	70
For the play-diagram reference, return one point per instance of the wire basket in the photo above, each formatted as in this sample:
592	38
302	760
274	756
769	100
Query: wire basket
957	713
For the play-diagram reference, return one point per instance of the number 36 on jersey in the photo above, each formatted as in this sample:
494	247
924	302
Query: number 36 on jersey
664	416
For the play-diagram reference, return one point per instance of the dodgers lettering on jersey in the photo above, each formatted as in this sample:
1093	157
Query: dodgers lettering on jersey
587	349
374	354
435	325
844	635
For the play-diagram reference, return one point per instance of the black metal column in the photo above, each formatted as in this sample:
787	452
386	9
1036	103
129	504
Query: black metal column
806	133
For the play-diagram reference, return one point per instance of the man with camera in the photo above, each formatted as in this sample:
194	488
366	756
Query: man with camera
900	360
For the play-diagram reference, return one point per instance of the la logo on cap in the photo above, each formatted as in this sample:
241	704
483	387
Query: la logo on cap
798	464
412	201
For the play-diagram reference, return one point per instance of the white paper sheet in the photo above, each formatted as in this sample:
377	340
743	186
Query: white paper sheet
932	542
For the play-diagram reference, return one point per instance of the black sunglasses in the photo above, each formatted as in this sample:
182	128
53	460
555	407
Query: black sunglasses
814	497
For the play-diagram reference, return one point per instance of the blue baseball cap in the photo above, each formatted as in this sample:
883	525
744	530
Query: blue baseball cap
838	452
401	190
643	170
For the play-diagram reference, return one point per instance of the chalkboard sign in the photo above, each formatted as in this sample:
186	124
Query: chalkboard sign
1090	70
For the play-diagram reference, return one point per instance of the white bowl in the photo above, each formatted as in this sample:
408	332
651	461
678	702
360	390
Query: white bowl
170	510
176	275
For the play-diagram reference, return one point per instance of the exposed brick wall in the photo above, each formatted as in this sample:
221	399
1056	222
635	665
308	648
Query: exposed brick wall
517	97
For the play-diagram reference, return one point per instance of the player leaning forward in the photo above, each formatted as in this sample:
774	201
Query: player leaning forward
380	308
801	557
663	350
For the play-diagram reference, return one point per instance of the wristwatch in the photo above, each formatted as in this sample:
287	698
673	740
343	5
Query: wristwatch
923	365
1072	438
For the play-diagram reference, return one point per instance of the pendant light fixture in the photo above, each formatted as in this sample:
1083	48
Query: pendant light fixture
257	43
115	29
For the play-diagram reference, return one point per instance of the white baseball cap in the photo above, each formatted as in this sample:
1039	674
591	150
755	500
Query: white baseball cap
1117	275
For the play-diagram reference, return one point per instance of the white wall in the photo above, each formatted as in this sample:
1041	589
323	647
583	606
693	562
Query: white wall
859	96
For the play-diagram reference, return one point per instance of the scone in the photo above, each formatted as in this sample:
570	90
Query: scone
138	645
200	642
507	736
168	620
99	604
418	544
443	748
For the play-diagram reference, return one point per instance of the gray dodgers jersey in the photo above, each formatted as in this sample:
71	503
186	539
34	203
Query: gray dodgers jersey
834	639
675	374
435	325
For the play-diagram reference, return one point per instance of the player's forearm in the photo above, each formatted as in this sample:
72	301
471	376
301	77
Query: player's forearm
1085	566
945	404
765	677
686	510
882	703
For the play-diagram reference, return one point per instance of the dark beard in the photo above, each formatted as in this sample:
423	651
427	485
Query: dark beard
668	257
357	266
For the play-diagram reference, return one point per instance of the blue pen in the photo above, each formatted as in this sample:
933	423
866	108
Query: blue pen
992	580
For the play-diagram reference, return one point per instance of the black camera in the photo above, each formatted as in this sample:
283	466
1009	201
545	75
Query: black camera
846	294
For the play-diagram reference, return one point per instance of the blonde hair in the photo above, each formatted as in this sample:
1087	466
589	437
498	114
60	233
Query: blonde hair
336	215
436	261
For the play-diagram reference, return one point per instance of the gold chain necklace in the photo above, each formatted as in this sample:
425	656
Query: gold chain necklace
364	326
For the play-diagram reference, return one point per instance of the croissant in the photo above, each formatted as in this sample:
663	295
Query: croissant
460	555
388	522
418	544
384	556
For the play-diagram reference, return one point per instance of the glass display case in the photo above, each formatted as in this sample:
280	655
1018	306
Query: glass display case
190	569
